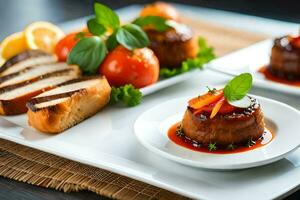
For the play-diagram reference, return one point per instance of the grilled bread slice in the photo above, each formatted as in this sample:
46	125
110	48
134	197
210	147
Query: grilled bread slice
27	75
70	103
26	59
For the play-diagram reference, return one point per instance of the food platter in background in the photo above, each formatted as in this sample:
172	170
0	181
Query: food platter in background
251	59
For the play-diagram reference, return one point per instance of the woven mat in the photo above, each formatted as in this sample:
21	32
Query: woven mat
39	168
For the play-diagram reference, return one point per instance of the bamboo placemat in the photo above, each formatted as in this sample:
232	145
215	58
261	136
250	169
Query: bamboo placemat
39	168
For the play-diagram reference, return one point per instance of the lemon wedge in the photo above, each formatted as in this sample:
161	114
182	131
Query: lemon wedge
43	35
12	45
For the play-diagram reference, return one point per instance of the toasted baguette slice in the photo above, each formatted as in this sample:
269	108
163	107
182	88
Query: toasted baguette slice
61	108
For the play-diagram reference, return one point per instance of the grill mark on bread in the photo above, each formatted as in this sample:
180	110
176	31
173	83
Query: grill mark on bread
25	60
14	102
15	74
39	85
32	62
31	73
37	100
77	84
22	56
48	98
18	105
12	75
27	82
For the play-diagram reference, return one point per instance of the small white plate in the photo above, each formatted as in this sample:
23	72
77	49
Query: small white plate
251	59
152	126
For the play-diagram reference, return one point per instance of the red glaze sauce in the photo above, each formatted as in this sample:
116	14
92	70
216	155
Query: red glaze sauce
268	75
189	144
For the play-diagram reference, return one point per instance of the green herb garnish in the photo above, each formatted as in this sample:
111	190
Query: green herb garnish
250	143
204	55
238	87
157	23
211	90
212	146
88	53
231	147
127	94
179	130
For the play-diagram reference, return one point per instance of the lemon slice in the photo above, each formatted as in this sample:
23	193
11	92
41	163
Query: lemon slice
43	35
2	61
12	45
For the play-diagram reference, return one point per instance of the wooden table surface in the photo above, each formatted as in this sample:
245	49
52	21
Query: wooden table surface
15	14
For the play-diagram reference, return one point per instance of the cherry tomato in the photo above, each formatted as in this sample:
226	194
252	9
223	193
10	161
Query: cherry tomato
139	67
160	9
64	46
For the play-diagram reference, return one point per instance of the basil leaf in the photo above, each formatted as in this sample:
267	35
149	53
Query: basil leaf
238	87
132	36
158	23
106	17
95	28
88	54
112	42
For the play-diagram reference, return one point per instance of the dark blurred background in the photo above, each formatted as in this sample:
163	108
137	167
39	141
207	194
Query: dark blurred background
15	14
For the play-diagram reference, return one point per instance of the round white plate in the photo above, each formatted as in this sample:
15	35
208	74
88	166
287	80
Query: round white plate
152	126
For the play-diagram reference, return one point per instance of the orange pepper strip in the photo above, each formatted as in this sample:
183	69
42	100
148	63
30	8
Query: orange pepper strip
217	107
208	98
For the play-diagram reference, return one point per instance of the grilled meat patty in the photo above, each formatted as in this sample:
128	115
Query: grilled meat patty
285	59
224	129
172	47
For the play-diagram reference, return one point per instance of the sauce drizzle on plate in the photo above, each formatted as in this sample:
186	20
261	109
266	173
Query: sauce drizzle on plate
186	142
269	76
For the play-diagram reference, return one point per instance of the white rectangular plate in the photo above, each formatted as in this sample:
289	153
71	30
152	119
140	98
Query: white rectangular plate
163	83
251	59
107	140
